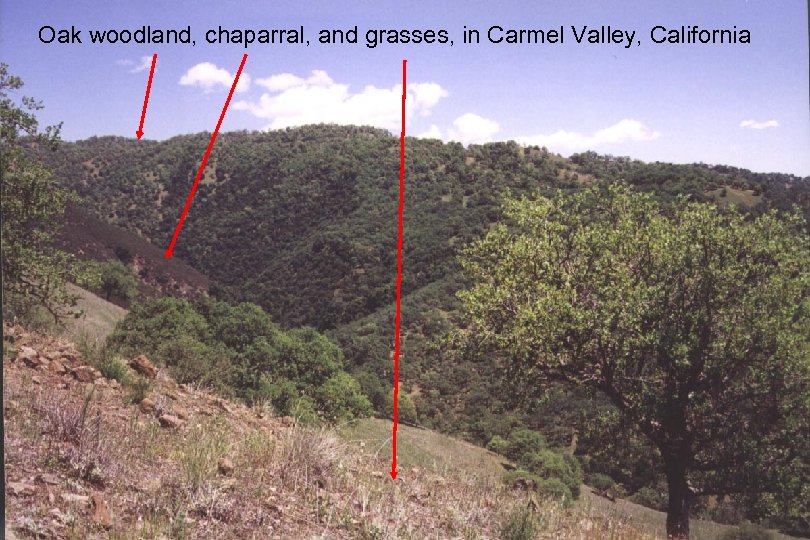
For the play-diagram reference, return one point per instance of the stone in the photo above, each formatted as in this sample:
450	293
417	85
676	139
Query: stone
182	414
58	367
85	374
27	355
21	489
169	421
47	478
36	379
73	498
10	407
147	406
144	366
524	483
101	512
225	466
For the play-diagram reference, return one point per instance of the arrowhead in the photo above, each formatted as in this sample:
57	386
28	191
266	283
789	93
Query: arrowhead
394	475
168	253
139	133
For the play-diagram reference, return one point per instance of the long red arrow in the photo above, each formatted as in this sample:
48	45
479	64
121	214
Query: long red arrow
170	249
139	133
399	278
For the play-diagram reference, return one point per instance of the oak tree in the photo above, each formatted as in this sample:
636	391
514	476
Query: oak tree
693	320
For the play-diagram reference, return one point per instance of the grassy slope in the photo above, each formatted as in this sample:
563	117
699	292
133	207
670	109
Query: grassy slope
71	448
432	450
99	316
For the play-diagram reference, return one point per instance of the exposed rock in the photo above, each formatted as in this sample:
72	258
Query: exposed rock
524	483
73	498
85	374
58	367
10	407
169	421
30	357
21	489
144	366
182	414
147	406
47	478
27	355
101	513
225	466
36	379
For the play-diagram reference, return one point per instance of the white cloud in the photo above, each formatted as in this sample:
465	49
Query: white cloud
433	133
210	77
470	128
142	65
753	124
626	130
293	101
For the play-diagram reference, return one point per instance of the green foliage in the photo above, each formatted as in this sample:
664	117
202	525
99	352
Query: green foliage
747	531
555	488
34	271
519	525
498	444
342	397
599	481
114	368
522	443
553	465
687	320
406	409
116	281
239	351
137	389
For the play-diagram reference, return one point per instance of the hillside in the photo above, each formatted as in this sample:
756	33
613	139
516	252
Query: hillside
89	457
302	222
91	238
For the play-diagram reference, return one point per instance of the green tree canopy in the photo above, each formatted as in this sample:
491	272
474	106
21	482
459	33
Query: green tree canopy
34	272
694	321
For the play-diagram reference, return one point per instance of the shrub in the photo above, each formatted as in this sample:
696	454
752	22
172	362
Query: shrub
114	368
600	481
554	488
553	465
510	476
138	388
651	498
340	398
524	441
498	444
747	531
518	525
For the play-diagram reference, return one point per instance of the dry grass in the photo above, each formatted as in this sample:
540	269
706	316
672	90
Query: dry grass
287	482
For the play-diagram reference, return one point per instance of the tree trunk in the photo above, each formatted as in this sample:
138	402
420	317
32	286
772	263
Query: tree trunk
679	498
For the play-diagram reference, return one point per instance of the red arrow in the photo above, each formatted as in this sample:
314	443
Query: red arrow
139	133
399	279
170	249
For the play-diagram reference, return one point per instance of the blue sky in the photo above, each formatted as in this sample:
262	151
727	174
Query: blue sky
744	105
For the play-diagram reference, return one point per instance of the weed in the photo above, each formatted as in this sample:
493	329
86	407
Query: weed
137	389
